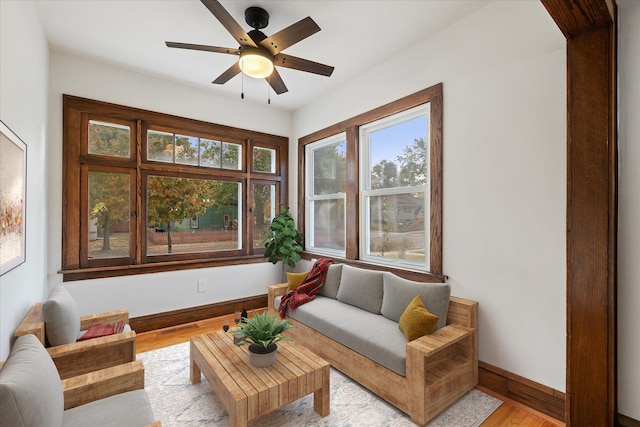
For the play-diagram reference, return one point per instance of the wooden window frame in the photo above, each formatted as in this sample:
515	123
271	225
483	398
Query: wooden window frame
77	162
432	95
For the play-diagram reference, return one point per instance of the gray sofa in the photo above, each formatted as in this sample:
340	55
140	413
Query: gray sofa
353	323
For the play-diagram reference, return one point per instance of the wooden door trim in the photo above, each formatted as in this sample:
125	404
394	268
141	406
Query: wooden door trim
592	164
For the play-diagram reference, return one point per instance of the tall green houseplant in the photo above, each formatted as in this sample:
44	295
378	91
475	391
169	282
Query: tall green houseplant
282	240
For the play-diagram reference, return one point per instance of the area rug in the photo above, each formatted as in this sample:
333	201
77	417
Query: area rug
177	402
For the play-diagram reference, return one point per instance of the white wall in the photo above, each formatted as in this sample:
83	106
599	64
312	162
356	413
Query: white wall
23	108
503	74
149	293
629	208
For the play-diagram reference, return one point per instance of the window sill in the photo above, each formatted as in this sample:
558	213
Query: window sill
129	270
418	276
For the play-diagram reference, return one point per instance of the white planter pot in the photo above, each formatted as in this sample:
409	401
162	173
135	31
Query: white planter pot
262	359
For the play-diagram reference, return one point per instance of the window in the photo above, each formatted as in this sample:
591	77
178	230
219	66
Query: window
326	194
373	187
393	183
146	192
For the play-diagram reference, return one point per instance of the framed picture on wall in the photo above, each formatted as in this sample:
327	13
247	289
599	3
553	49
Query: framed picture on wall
13	188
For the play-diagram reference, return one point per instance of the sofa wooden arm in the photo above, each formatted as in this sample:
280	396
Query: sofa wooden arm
82	389
274	291
462	312
95	354
439	340
438	366
112	317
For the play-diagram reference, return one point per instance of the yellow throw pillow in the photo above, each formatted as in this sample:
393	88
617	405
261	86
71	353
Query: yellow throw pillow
295	279
416	320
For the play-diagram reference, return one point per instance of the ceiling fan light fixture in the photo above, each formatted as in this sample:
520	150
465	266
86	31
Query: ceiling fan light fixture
255	63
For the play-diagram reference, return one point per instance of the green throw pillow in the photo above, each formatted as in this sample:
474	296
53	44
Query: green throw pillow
295	279
416	320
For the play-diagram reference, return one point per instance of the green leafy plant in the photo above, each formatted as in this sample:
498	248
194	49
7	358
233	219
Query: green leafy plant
262	330
282	240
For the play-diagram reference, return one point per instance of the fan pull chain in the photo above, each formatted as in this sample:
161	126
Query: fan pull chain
242	79
269	90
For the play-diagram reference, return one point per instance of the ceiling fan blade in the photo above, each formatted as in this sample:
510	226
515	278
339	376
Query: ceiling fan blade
203	47
300	64
291	35
276	82
228	74
228	22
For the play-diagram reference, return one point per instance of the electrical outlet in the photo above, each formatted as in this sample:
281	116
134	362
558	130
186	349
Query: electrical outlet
202	285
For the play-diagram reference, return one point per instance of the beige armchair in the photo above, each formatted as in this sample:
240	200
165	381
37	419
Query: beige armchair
57	325
32	394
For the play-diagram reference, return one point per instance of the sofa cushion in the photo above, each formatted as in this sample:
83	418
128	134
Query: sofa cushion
127	409
61	318
372	335
416	321
361	288
30	387
399	292
295	279
331	281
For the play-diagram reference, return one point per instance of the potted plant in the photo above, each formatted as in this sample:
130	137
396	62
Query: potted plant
282	240
262	332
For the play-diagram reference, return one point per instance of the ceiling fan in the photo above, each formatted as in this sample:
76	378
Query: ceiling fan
258	54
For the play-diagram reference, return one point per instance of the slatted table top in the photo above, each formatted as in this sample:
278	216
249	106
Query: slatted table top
248	392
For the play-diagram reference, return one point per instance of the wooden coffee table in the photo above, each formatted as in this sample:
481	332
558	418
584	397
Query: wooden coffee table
247	392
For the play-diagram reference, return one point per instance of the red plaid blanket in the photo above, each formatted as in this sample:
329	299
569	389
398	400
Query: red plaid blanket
307	290
102	330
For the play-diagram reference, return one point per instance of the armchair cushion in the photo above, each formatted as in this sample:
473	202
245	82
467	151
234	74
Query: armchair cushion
126	409
30	389
61	318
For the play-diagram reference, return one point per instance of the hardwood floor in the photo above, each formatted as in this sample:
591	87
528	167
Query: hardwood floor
510	413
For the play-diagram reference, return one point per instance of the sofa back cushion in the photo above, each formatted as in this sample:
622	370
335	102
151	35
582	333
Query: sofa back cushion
399	292
332	281
61	317
361	288
30	388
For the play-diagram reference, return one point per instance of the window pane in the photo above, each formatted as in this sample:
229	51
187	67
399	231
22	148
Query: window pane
396	227
187	150
210	153
328	224
109	213
173	205
264	160
398	154
231	156
264	205
160	146
108	139
329	169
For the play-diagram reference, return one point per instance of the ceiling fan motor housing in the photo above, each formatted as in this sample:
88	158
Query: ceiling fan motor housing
256	17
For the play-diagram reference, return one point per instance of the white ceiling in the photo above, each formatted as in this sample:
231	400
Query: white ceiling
354	36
